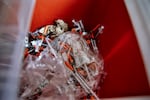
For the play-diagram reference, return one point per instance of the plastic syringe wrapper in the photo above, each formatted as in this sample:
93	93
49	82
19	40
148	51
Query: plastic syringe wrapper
59	64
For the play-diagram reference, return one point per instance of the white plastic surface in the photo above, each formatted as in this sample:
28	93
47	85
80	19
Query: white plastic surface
15	16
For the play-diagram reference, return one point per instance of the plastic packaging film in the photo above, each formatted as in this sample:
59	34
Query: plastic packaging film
61	63
15	18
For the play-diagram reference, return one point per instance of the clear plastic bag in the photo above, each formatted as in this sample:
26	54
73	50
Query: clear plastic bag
85	64
44	73
65	67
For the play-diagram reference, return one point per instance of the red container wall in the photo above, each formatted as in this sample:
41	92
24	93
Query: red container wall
118	44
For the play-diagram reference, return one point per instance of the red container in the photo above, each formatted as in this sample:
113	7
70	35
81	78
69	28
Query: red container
118	44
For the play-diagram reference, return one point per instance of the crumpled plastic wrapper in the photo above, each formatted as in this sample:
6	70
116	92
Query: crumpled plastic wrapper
65	69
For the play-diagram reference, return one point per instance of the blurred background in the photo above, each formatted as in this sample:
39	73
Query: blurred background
124	44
